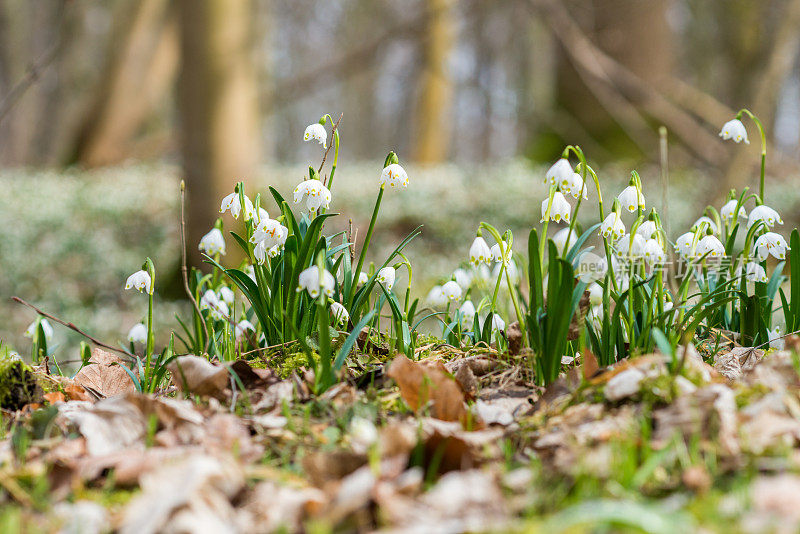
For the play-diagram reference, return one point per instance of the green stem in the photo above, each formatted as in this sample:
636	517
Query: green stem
365	247
763	146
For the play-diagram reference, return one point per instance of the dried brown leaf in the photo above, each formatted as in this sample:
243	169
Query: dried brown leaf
104	375
199	376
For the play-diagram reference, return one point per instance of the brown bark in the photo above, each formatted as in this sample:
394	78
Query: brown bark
218	105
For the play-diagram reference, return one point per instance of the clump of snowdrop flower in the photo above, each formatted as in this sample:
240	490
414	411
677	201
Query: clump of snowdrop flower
771	243
647	229
386	277
436	297
560	171
242	327
479	252
710	247
559	208
311	281
764	214
339	313
46	328
316	132
467	311
394	175
213	242
216	307
313	193
683	245
612	226
138	333
735	130
631	198
726	212
270	233
451	290
755	272
140	280
226	295
231	202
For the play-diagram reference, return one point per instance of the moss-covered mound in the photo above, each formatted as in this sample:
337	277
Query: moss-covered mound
18	385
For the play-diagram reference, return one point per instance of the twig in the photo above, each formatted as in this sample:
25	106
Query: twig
72	327
185	270
333	131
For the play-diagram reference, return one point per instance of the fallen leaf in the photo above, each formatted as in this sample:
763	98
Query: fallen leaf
104	375
54	397
199	376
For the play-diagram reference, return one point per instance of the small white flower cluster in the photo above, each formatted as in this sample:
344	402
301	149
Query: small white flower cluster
316	283
313	193
46	328
217	303
269	237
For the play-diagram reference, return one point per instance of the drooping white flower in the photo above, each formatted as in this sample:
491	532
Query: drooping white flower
140	280
311	281
735	130
271	233
213	242
463	278
394	176
576	186
631	246
262	214
363	278
698	224
451	290
261	252
479	252
138	333
510	269
211	302
559	209
771	243
436	297
231	202
710	247
775	339
766	214
726	212
314	193
591	267
467	311
242	327
339	313
498	324
560	171
647	229
755	272
225	294
497	252
653	253
316	132
560	239
631	198
386	277
612	226
683	245
46	328
595	294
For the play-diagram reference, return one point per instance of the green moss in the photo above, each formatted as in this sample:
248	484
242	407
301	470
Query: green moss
18	385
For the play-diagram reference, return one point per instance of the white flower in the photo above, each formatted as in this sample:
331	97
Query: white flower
712	246
560	239
479	252
699	222
231	202
631	246
451	290
363	434
211	302
219	311
775	339
261	252
262	214
595	294
436	297
226	295
394	175
311	281
316	132
647	229
771	243
139	280
363	278
314	193
631	198
510	269
726	212
241	327
463	278
386	277
653	252
683	245
467	311
560	171
213	242
576	186
734	130
339	313
271	233
755	273
766	214
46	328
138	333
497	252
612	226
559	209
498	324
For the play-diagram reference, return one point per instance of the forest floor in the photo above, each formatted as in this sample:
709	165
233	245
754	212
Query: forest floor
452	441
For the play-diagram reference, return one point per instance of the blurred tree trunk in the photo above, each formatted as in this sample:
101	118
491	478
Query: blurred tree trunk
432	140
140	71
218	105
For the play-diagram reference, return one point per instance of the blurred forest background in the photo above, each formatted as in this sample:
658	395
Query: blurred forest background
215	91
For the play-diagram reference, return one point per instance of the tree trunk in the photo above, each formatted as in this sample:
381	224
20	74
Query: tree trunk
218	105
432	141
